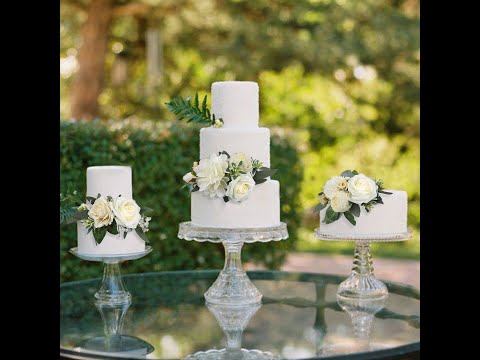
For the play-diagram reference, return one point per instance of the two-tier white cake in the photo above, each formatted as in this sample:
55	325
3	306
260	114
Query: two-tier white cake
236	102
109	181
383	219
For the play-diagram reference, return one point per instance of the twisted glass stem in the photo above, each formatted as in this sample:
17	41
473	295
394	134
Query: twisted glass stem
362	259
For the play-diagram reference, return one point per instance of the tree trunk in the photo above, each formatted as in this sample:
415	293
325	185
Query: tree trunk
88	82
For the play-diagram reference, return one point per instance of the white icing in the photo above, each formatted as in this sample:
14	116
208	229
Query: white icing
111	244
236	102
113	181
387	218
109	180
254	142
261	209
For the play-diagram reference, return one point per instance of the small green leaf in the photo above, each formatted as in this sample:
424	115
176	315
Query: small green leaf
125	233
225	153
264	173
319	207
109	198
350	217
98	196
379	200
99	234
195	188
141	234
91	199
77	216
321	193
259	181
112	228
355	172
147	211
226	199
331	216
347	173
355	209
385	192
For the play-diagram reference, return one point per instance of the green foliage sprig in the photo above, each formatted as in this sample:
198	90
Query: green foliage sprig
193	112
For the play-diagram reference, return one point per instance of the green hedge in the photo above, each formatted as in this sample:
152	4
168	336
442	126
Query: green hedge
160	154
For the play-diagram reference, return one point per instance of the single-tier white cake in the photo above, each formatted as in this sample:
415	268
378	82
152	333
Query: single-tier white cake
236	102
113	181
383	219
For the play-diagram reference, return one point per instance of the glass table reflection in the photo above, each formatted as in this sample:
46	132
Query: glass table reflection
299	318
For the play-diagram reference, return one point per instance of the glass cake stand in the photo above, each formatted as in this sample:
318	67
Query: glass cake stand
232	287
233	320
114	342
362	284
112	290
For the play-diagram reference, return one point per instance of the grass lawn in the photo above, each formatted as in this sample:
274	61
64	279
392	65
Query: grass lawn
403	250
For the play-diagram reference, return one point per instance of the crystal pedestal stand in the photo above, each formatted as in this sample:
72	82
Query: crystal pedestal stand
114	341
112	290
362	284
232	287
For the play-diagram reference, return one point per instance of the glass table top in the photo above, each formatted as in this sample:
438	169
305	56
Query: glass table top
299	318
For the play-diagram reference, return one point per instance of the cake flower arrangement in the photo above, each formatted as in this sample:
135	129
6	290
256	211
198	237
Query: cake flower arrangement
114	215
228	177
345	194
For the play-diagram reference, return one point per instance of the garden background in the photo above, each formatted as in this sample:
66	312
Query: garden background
339	89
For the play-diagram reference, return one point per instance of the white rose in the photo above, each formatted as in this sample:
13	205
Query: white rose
240	187
334	184
211	179
340	201
188	177
126	211
362	189
244	158
101	213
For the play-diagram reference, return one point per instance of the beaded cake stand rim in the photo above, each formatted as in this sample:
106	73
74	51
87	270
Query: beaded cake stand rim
393	237
110	257
224	350
188	231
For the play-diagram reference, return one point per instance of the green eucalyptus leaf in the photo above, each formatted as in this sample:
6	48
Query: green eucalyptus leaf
259	181
78	215
355	210
379	199
355	172
112	228
385	192
350	217
91	199
347	173
226	199
319	207
141	234
99	233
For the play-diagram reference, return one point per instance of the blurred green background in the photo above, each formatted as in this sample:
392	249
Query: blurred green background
339	88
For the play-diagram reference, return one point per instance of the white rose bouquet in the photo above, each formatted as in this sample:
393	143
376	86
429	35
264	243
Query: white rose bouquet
345	194
114	215
229	177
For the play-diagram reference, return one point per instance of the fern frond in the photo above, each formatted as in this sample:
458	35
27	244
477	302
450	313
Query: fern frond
193	113
66	213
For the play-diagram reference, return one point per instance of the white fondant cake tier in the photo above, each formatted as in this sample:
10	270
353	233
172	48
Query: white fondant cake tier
261	209
387	218
111	244
109	180
236	102
254	142
113	181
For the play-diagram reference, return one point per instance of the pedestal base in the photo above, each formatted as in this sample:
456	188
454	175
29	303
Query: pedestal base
233	287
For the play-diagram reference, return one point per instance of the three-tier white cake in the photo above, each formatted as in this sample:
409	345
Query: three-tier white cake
109	181
236	102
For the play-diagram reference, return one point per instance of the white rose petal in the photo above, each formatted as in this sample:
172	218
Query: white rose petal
101	213
340	201
334	184
240	187
188	177
362	189
244	158
211	179
127	212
